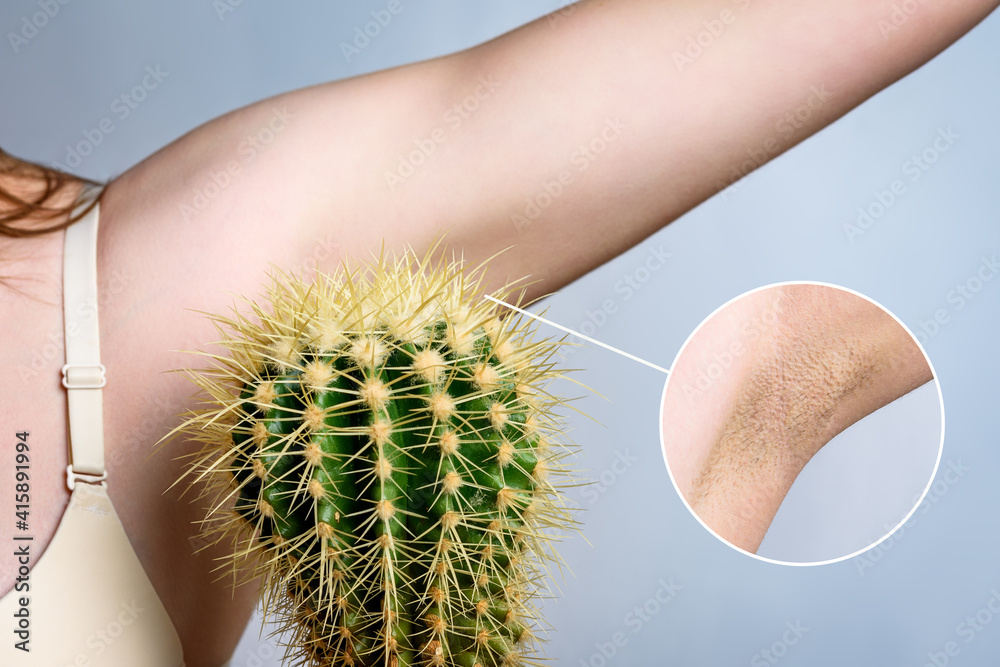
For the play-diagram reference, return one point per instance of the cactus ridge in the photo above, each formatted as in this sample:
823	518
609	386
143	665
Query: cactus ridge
384	452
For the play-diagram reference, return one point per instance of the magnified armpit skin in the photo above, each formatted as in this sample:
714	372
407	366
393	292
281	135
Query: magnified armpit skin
764	384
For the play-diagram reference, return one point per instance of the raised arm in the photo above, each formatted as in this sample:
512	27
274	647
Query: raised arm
573	137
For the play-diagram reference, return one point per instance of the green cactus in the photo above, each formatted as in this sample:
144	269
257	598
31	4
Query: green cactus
385	452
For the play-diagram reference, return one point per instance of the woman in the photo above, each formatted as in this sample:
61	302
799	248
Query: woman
581	134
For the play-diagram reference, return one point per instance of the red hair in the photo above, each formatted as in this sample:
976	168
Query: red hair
21	214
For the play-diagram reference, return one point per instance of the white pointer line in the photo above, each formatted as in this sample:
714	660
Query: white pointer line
579	335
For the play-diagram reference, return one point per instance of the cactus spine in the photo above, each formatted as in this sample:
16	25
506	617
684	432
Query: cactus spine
386	455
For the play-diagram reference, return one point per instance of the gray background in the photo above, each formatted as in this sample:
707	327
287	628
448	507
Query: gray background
861	485
892	605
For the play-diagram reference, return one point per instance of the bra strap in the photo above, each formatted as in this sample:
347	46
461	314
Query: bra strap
83	373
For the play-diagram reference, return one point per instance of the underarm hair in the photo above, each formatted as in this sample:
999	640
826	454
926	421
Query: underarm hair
785	411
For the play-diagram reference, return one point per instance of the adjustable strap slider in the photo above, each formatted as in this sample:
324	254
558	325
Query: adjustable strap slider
83	376
72	477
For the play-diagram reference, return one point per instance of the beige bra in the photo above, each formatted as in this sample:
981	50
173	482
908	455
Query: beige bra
90	602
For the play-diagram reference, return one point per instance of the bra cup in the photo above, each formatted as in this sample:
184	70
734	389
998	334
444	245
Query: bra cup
90	601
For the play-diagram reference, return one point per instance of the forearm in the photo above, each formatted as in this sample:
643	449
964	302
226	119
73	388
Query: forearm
688	129
800	364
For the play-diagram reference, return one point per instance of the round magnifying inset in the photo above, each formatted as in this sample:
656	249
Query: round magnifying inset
802	423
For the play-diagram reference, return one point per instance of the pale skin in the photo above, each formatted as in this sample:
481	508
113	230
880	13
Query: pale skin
319	191
764	384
